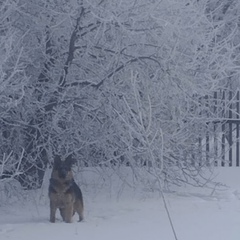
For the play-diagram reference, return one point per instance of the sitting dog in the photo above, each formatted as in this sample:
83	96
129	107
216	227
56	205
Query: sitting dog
63	192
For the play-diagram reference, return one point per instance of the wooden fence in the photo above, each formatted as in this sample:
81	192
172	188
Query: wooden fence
220	144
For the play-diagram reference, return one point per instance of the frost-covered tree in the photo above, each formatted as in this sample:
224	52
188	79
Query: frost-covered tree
112	82
14	87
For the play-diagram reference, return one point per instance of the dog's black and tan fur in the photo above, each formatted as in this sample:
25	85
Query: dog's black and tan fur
63	192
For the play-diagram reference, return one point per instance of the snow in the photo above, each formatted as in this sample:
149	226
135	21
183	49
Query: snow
196	213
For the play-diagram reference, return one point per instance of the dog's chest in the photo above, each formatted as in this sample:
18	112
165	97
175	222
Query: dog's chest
60	193
61	199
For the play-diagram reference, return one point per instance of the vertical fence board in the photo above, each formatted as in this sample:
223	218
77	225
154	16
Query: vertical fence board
237	127
223	131
215	147
230	135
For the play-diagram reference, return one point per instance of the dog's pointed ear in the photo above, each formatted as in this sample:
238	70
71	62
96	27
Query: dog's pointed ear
57	160
70	160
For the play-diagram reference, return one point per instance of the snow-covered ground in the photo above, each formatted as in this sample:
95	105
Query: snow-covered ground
114	212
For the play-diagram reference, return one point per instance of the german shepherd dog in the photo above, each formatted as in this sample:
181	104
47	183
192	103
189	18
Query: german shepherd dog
63	192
